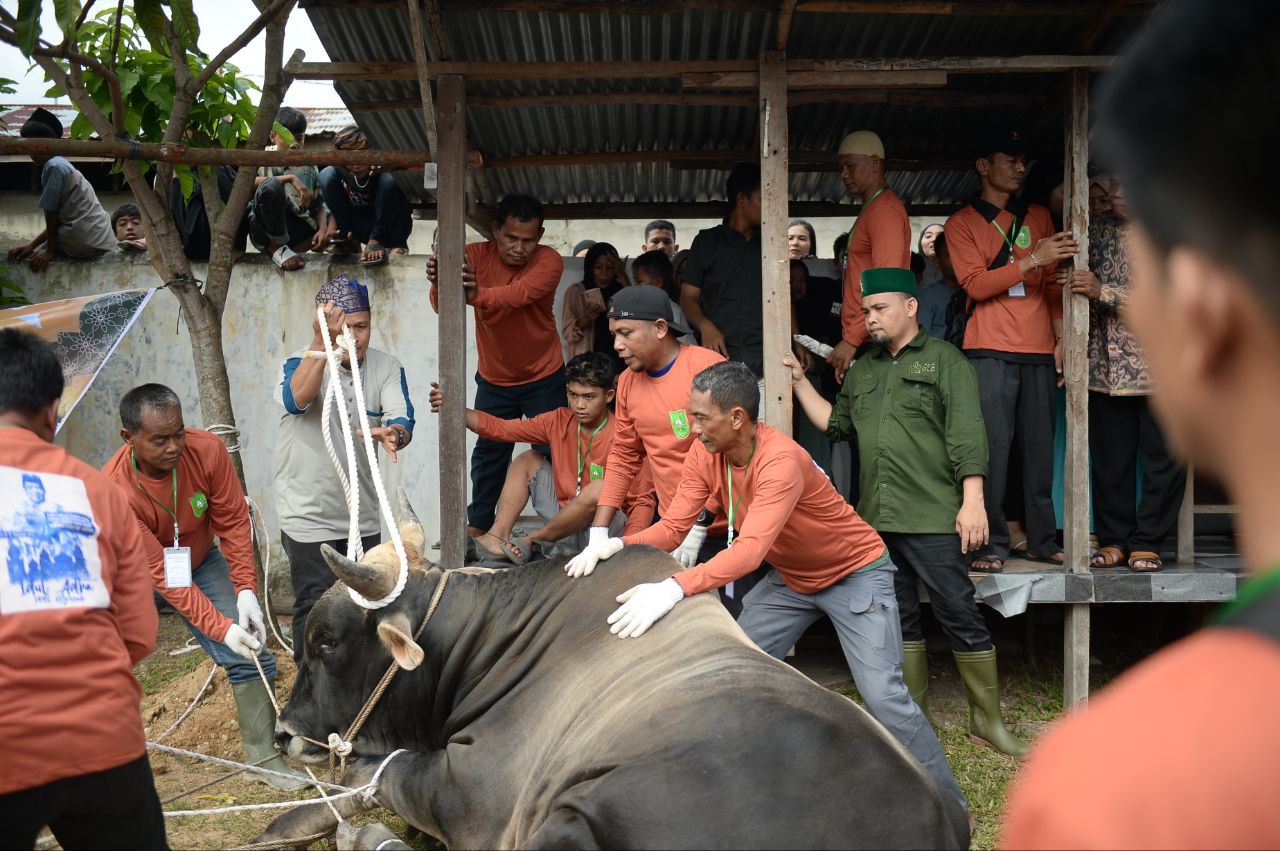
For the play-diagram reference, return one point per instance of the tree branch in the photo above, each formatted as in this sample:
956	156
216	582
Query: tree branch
278	8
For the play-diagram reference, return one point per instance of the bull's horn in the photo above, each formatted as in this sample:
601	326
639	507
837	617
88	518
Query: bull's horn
407	514
371	581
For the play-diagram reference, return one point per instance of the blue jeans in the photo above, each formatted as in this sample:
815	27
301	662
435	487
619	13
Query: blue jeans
213	577
388	221
490	458
864	610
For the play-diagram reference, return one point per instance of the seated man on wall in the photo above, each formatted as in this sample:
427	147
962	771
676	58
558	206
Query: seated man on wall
566	488
75	224
365	206
287	216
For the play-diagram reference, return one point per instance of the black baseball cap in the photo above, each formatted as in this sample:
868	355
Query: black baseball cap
644	302
1000	141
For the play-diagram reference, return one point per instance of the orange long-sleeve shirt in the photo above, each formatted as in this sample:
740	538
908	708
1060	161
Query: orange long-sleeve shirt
1180	752
516	337
559	430
203	468
881	239
653	422
1001	322
786	512
75	615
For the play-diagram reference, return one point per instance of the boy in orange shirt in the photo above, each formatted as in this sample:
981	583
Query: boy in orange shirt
565	488
825	558
75	617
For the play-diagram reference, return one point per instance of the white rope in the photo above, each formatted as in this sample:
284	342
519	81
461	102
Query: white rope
279	805
264	548
354	549
195	701
257	769
350	485
224	430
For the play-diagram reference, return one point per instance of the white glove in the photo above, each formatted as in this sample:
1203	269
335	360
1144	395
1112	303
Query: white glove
643	606
687	553
241	642
250	614
599	547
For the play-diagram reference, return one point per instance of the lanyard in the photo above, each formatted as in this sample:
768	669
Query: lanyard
1008	238
733	506
172	512
854	229
581	453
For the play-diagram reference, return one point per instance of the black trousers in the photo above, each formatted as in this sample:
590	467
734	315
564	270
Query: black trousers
1123	429
311	577
272	220
1018	404
713	546
115	808
937	561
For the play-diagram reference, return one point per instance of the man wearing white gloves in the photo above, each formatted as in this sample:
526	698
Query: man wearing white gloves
184	492
825	558
652	420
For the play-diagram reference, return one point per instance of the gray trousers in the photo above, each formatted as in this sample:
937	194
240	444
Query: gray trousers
864	610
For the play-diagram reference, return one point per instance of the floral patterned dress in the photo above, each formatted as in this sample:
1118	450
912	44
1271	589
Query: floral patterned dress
1117	365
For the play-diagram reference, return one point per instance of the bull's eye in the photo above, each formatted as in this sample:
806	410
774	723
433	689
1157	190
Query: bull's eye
327	644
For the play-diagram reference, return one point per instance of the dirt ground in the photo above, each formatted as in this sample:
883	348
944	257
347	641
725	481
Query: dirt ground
1030	688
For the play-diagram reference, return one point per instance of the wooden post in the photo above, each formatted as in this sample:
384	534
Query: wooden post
1075	327
417	35
1187	520
452	208
775	263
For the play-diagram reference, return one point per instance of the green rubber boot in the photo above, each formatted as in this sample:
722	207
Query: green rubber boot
257	720
978	670
915	672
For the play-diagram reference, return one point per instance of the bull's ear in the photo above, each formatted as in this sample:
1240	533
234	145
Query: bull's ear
396	634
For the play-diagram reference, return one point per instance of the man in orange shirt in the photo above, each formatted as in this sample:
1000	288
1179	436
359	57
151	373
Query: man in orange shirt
511	284
565	489
1004	252
184	493
825	558
1183	751
881	236
653	425
75	616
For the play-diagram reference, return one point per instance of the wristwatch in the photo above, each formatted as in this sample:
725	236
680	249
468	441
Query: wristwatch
704	518
402	436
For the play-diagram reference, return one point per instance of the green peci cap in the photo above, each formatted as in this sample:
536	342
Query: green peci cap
889	280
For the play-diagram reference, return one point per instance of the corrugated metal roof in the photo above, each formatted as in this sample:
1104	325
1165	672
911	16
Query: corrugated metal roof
696	34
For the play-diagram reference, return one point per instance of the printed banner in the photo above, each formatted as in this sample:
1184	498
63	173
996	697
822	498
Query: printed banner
85	331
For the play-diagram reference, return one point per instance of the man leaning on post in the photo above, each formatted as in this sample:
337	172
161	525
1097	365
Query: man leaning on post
913	401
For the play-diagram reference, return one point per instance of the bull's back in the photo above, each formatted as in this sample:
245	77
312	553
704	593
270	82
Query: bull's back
690	736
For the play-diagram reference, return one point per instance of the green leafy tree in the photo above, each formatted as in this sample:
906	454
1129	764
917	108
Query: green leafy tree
138	73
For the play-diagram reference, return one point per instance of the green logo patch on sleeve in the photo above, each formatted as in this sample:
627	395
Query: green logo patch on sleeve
679	423
597	472
199	504
1024	237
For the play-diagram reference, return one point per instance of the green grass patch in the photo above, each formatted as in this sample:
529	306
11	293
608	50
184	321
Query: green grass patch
159	669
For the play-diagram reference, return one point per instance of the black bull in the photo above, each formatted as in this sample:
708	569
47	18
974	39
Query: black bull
529	726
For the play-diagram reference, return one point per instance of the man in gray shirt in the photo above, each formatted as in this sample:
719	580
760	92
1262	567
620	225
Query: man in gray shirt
76	225
309	497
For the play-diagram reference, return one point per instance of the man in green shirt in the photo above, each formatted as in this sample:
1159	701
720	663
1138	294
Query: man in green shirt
913	402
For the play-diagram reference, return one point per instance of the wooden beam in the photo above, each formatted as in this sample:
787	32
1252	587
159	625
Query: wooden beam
435	20
690	160
418	36
795	97
784	24
453	322
672	68
819	79
115	149
702	210
775	265
1075	509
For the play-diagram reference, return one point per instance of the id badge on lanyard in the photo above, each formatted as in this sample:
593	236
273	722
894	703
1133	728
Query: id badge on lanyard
177	564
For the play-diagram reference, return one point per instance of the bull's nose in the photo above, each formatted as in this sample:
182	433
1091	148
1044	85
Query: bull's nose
282	739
